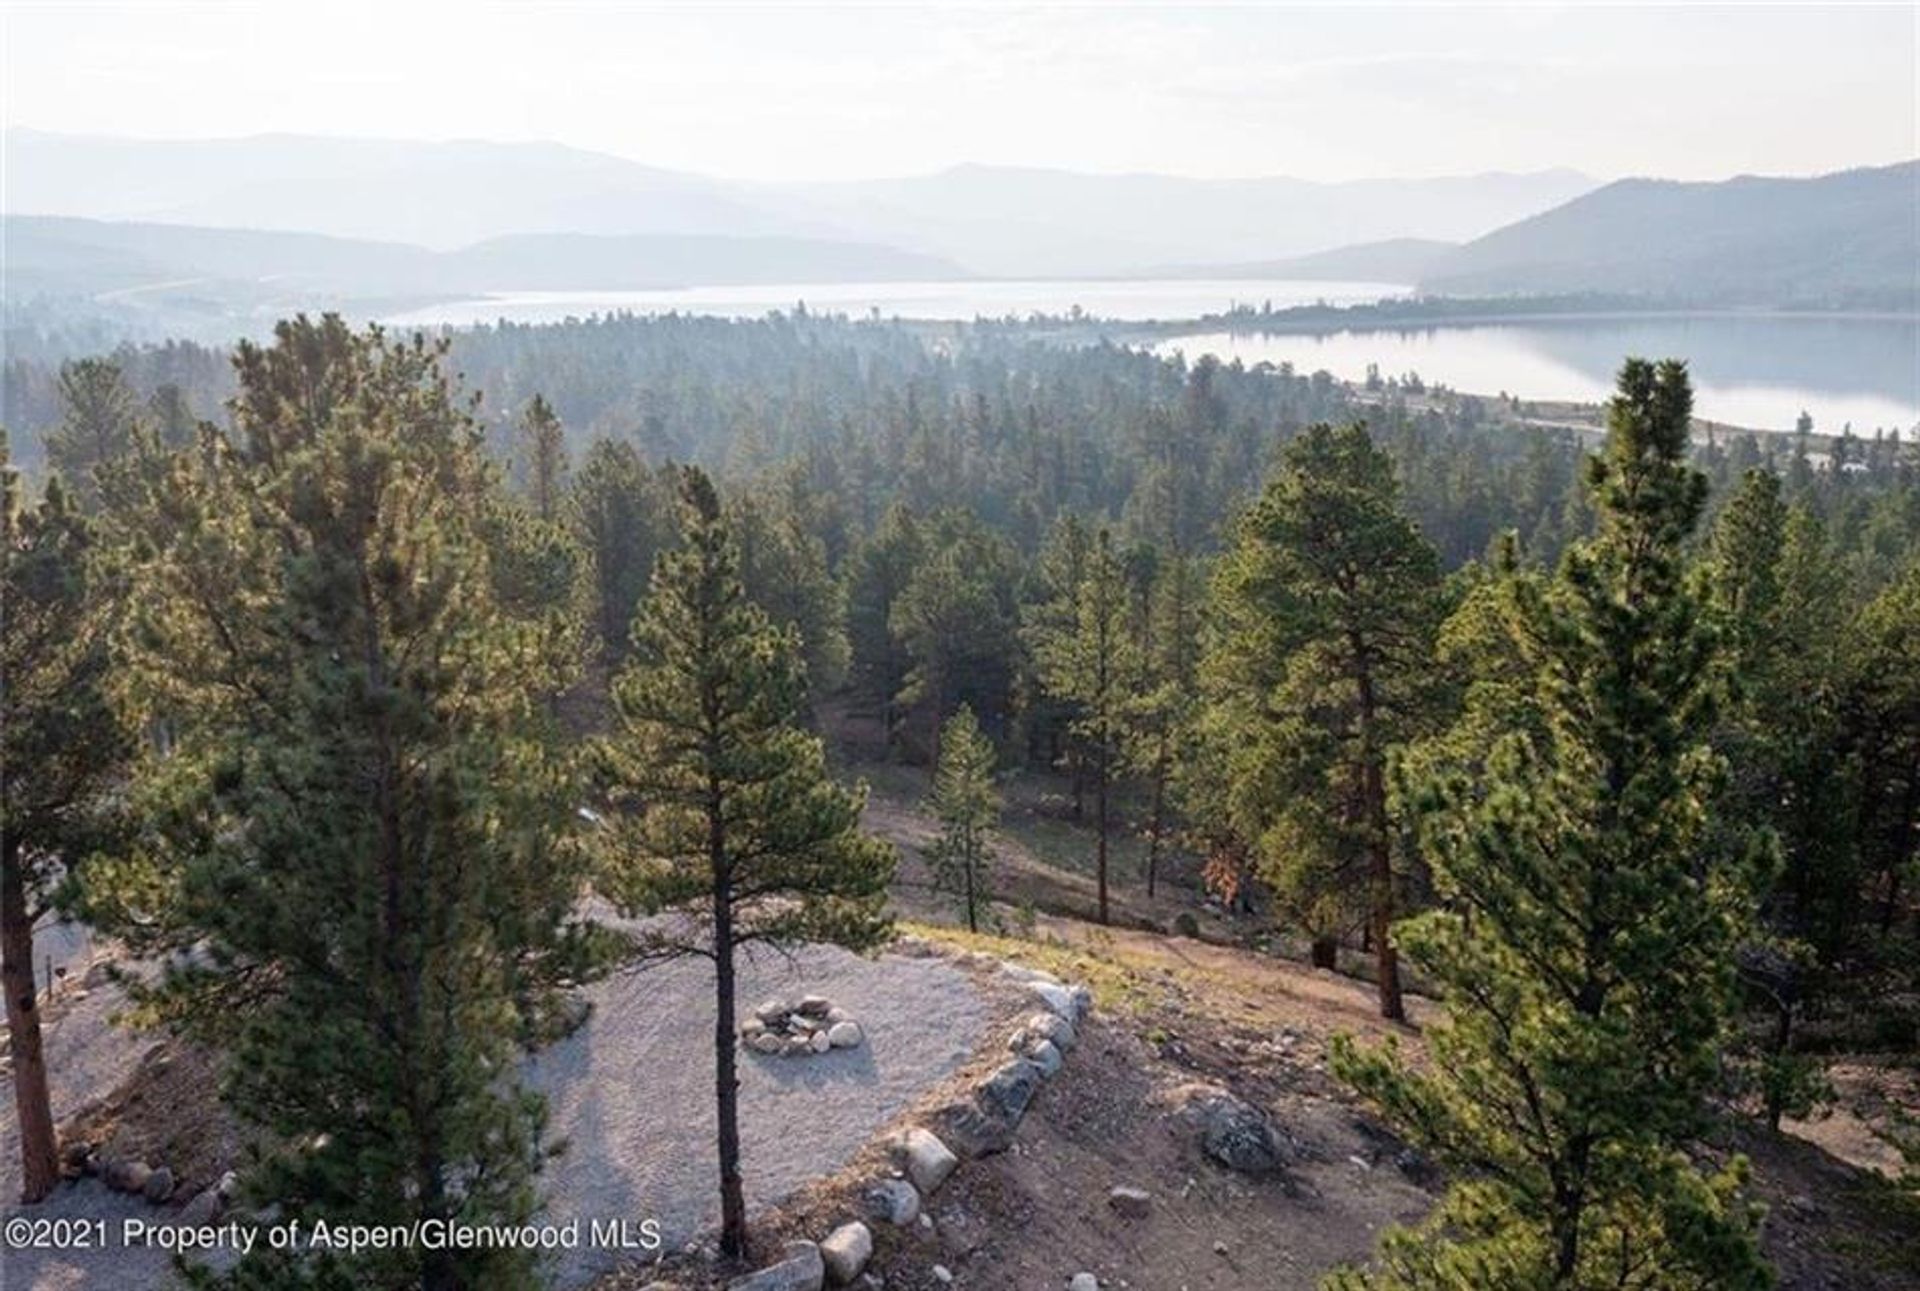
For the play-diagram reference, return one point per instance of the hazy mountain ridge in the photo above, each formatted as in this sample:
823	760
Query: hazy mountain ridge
1010	221
57	253
1851	238
1395	260
999	221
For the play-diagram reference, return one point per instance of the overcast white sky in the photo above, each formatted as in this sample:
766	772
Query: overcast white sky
800	91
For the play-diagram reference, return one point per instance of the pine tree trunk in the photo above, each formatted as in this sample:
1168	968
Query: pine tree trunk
1160	770
726	1084
973	922
1379	849
1325	952
39	1149
1100	810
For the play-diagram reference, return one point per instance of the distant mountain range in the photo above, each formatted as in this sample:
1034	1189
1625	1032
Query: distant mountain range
209	233
996	221
1396	260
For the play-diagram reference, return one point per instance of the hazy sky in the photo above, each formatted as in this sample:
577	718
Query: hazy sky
807	91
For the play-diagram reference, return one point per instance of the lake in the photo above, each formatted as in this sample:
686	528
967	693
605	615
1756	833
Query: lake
1752	371
1749	370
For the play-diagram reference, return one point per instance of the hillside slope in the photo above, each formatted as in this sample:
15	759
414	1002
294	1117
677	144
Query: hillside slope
1851	238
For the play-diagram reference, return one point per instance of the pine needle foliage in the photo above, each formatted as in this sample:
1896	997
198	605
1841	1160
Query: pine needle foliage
1591	916
736	836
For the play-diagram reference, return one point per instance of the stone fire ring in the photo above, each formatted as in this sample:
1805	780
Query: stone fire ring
797	1029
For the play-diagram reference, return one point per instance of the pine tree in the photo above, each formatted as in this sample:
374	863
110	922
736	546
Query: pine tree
1329	601
880	570
1085	657
98	418
737	824
784	569
966	805
61	744
955	620
543	454
369	838
1167	643
1590	922
624	514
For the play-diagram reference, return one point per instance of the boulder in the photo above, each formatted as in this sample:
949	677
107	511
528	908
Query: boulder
845	1252
1044	1056
1083	1282
795	1045
1053	1028
1056	997
228	1186
819	1042
766	1042
1134	1203
1022	973
892	1201
1234	1132
752	1027
942	1274
128	1176
771	1011
1082	1001
813	1006
971	1132
159	1186
1009	1091
844	1035
926	1159
800	1268
203	1210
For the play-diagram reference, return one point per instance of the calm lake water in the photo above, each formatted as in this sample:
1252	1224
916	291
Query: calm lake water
1748	370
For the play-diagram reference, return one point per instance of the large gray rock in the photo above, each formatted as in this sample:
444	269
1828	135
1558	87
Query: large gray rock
1234	1132
1057	998
159	1186
971	1132
844	1035
203	1210
1054	1029
1083	1282
892	1201
800	1268
1009	1091
845	1252
926	1159
1134	1203
1044	1056
128	1176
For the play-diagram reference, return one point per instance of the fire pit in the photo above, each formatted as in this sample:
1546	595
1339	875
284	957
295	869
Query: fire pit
788	1029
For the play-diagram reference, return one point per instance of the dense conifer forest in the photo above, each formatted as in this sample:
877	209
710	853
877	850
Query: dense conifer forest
347	675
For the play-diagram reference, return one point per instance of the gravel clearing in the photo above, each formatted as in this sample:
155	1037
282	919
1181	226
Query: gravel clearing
632	1091
630	1095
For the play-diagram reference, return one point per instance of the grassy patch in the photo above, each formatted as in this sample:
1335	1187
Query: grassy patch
1119	980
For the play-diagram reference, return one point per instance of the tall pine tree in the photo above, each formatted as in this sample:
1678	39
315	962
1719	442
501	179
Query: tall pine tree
61	745
966	805
1329	602
369	847
1087	658
736	823
1590	922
